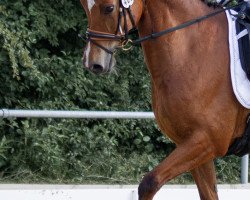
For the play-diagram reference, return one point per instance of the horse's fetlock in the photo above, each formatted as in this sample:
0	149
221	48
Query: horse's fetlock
148	186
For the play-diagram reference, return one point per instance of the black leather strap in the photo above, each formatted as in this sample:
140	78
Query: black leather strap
83	37
131	17
106	36
241	146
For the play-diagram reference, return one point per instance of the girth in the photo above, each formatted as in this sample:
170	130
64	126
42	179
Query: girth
241	146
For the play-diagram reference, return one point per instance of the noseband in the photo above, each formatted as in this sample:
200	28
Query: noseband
94	36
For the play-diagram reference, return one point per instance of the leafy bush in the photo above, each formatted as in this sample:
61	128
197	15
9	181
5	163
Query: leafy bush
41	68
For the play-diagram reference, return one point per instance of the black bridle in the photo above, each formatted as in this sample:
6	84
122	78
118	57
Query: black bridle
121	33
93	36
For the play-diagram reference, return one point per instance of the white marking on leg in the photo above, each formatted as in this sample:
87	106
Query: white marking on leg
91	3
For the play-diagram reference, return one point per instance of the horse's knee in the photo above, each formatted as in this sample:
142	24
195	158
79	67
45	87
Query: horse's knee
148	187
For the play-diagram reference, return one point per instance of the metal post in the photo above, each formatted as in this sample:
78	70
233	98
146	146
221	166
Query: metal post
5	113
244	169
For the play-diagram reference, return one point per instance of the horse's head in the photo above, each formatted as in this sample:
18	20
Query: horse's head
109	22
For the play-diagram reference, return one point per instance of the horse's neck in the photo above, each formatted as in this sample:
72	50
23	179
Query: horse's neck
171	52
161	14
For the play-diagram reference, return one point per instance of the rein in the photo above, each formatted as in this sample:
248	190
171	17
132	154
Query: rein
181	26
126	43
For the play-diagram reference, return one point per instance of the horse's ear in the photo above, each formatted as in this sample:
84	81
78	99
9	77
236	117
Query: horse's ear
84	5
82	2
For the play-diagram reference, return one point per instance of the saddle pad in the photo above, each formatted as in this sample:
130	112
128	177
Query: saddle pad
240	82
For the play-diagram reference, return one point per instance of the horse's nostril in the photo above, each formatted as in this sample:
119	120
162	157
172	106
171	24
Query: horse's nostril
96	68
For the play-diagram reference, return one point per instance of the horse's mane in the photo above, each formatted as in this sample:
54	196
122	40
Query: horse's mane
212	3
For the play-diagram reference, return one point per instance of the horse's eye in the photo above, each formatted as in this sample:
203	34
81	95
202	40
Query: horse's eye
108	9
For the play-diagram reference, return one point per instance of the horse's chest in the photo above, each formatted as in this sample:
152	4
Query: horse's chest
171	118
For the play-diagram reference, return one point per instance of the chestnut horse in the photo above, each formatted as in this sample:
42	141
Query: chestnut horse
193	100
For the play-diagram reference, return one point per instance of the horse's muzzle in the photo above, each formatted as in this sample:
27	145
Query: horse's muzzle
97	69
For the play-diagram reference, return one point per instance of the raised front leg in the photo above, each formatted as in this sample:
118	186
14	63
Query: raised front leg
205	179
186	157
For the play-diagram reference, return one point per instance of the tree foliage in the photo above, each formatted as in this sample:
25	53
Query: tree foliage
41	68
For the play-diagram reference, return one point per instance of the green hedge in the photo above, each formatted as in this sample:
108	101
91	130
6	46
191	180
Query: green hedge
41	68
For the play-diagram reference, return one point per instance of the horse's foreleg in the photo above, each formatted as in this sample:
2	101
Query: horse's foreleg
186	157
205	179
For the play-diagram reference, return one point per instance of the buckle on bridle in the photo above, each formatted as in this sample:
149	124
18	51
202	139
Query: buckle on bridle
127	45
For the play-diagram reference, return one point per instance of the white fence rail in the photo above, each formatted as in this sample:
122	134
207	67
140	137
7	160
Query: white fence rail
6	113
97	192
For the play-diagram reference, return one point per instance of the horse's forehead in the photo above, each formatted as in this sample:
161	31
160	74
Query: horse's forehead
90	3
